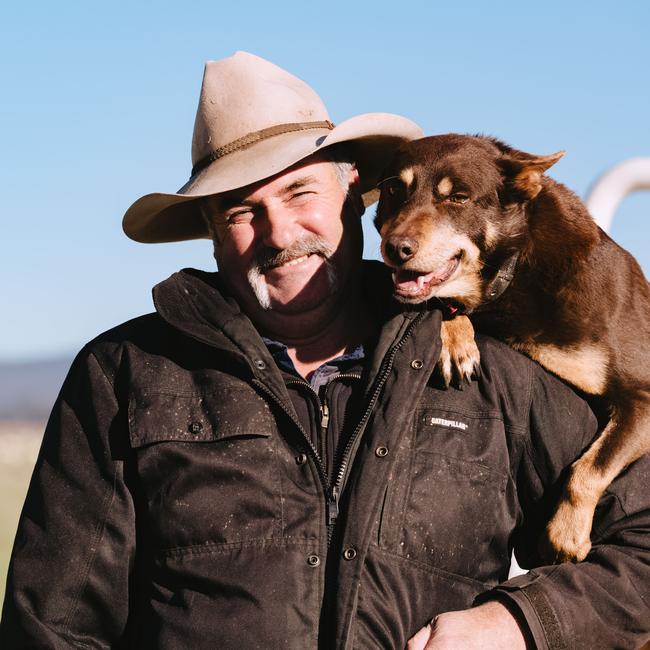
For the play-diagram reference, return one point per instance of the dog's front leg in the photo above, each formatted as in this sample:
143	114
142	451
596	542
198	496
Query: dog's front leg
623	440
459	357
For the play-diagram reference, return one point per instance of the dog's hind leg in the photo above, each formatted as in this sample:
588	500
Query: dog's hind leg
624	439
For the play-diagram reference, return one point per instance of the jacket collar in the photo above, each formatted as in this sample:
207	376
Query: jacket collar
196	303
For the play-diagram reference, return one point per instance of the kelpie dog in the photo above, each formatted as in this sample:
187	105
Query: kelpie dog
473	222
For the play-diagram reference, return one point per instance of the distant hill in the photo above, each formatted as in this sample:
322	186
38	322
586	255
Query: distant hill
28	390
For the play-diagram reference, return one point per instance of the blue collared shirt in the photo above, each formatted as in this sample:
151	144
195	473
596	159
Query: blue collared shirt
323	374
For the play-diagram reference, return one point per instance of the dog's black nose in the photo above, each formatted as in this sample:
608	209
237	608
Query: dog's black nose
401	249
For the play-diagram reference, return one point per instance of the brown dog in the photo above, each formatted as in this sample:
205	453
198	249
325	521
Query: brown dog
475	223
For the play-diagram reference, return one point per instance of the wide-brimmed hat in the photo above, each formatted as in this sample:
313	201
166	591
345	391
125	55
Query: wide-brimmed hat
253	121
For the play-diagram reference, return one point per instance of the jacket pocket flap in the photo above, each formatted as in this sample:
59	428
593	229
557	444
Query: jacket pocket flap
160	417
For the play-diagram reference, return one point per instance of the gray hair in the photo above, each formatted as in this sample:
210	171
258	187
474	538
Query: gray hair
342	171
342	162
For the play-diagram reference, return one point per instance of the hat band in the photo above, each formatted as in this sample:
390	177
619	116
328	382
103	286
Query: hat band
256	136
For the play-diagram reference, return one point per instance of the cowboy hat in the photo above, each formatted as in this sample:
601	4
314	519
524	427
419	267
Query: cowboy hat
253	121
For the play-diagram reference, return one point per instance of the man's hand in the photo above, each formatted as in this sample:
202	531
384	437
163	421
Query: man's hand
489	626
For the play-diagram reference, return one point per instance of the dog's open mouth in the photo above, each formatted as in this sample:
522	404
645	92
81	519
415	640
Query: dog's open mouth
416	285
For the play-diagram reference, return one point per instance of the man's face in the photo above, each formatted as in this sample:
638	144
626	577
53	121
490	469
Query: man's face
286	245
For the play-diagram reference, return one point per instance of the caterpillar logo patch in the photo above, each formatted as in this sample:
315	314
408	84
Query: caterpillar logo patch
442	422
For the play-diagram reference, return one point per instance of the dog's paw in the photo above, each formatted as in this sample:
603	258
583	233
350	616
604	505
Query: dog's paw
459	356
567	535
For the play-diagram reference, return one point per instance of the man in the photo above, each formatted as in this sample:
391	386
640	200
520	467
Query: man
270	461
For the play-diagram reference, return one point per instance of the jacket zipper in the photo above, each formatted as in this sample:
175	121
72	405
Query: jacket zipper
323	418
322	473
387	364
333	490
323	407
324	422
332	493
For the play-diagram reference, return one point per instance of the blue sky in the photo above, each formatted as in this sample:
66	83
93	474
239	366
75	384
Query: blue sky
98	104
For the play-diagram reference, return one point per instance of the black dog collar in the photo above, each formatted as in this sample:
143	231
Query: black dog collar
502	279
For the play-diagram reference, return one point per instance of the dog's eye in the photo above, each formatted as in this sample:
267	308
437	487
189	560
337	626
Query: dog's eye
392	187
458	197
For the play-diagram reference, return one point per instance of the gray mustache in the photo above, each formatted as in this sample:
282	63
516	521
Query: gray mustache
311	245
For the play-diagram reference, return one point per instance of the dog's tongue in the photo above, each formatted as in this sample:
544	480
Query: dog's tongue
412	281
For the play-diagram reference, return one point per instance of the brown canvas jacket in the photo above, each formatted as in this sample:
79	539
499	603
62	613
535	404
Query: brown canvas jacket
176	502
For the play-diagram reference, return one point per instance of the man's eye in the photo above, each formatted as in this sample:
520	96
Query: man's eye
458	197
241	216
302	193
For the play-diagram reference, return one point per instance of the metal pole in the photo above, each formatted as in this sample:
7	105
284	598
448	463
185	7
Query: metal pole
614	185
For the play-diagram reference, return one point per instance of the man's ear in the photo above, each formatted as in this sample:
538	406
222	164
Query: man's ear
525	170
354	192
206	207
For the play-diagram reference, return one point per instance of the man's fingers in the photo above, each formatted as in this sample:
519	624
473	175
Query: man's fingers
490	626
420	639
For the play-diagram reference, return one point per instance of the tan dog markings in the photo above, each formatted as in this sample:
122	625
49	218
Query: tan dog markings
445	186
623	440
568	532
435	250
459	351
436	247
584	366
407	175
491	234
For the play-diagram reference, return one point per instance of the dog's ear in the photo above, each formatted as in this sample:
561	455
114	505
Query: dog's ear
525	170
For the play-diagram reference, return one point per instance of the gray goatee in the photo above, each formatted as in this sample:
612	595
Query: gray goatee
270	258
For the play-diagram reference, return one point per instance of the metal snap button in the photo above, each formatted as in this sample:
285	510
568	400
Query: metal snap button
301	459
416	364
313	560
350	553
195	427
381	451
259	364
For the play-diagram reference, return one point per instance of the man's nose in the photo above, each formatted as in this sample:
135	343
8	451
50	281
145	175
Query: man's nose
280	229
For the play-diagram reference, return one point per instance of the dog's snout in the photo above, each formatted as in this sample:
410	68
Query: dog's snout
401	249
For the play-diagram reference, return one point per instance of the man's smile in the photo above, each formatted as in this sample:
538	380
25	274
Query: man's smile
294	262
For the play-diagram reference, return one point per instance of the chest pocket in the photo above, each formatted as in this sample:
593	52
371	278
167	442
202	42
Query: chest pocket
208	466
453	506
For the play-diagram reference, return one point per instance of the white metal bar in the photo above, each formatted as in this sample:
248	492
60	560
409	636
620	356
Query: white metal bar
614	185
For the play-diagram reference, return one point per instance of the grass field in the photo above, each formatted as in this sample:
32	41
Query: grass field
19	443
